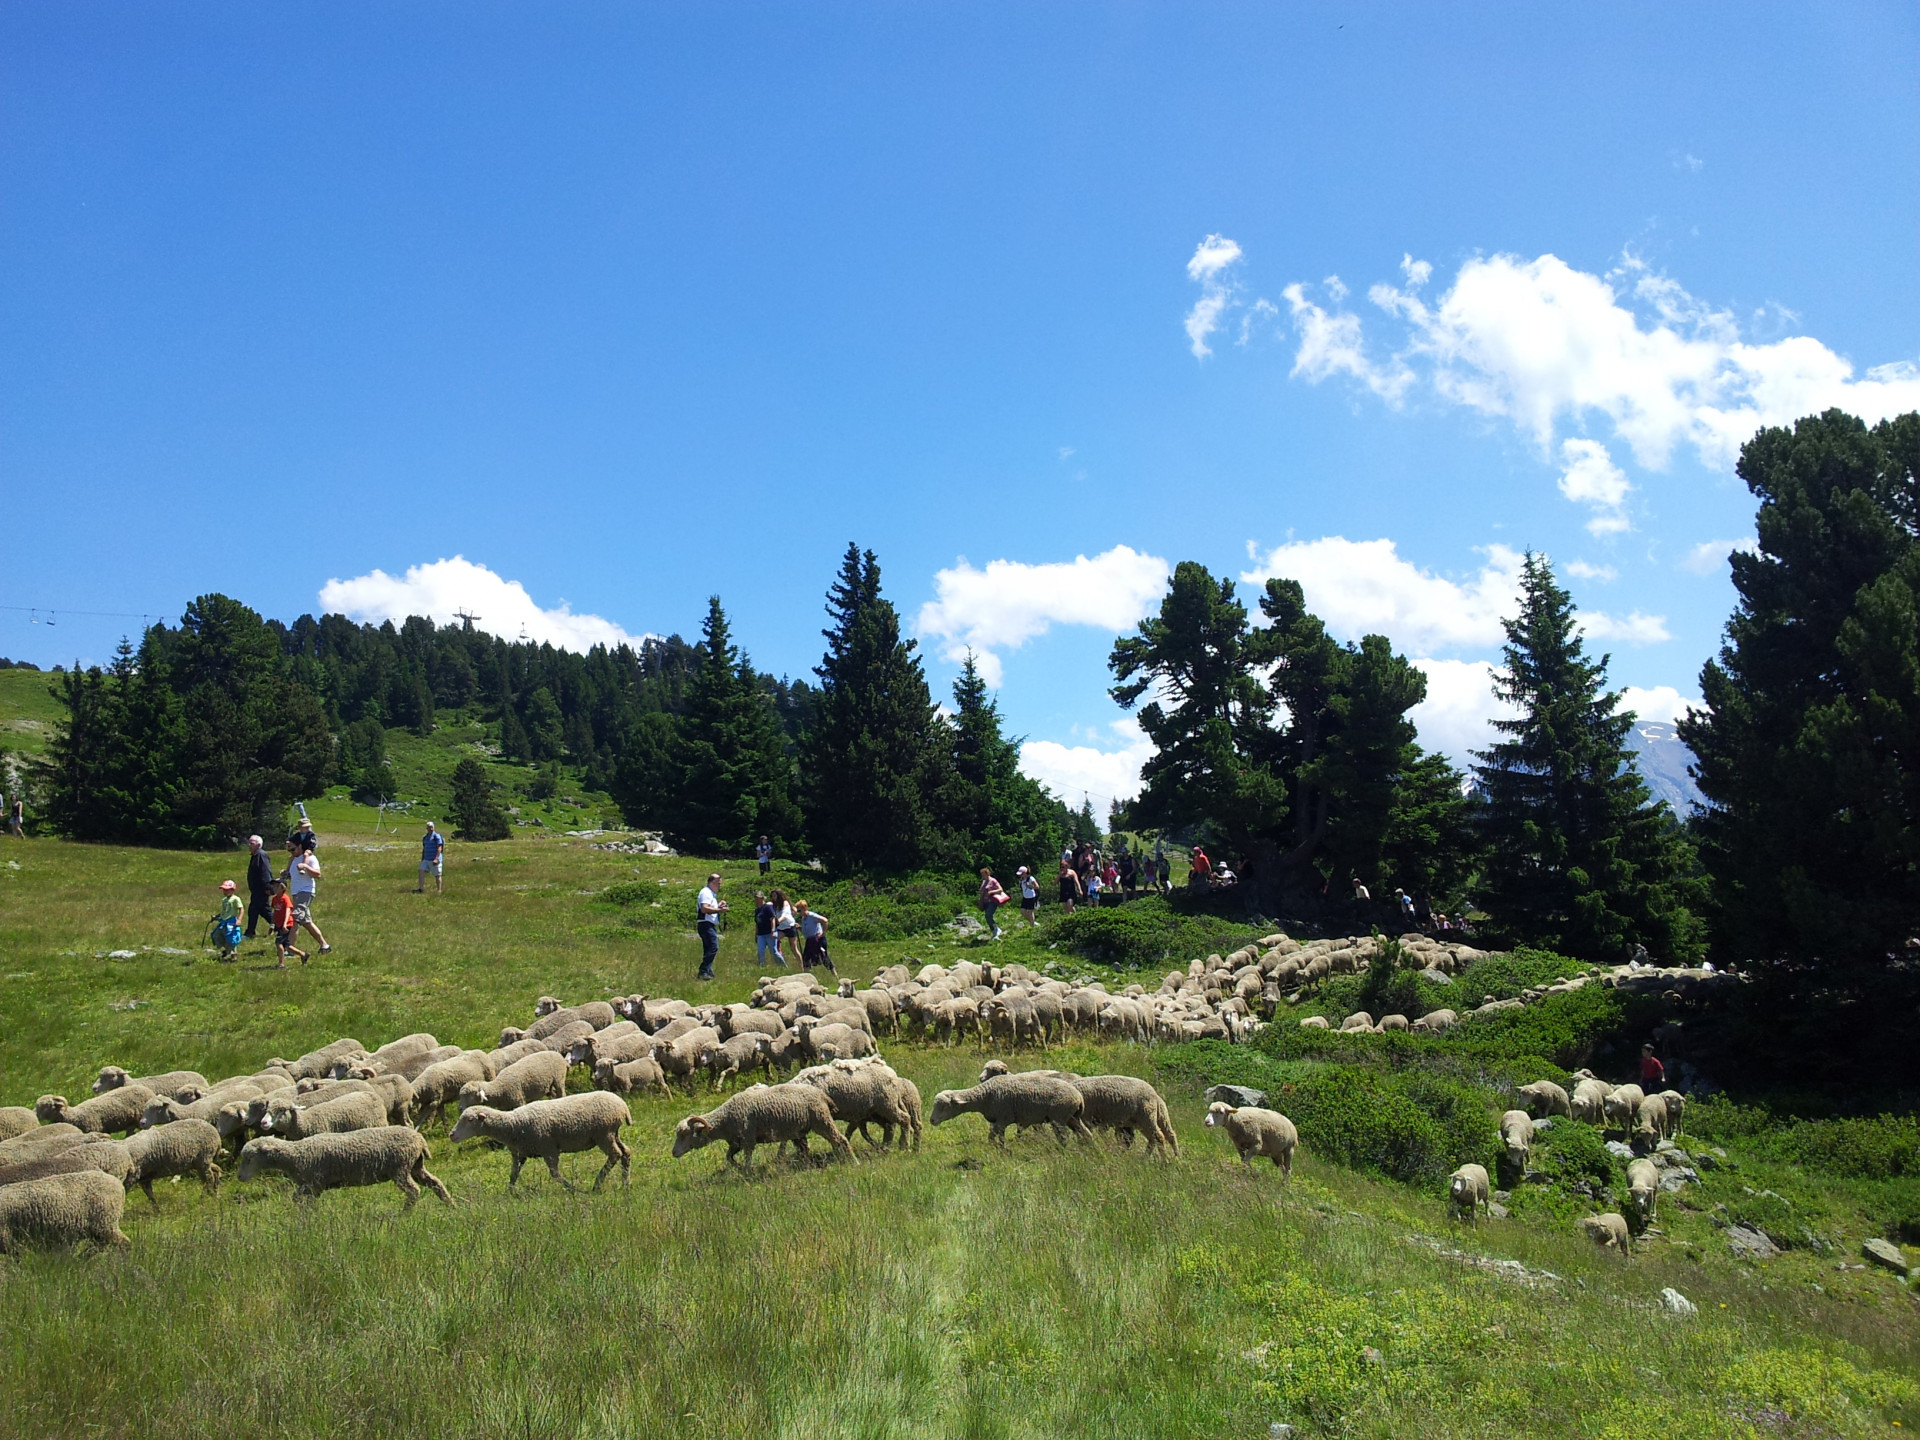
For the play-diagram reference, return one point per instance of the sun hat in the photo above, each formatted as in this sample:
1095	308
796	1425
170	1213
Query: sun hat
228	885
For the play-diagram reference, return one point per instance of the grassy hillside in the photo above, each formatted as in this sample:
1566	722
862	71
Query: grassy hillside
1037	1292
27	710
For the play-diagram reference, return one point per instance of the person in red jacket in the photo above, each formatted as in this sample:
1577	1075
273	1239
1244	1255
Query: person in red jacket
1653	1075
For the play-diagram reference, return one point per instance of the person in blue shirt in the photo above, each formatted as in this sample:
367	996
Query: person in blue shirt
433	858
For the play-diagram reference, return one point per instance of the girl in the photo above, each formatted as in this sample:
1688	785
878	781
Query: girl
786	929
226	931
813	931
1029	896
1069	885
992	896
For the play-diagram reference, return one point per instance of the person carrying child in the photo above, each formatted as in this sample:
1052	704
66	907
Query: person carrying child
280	916
226	925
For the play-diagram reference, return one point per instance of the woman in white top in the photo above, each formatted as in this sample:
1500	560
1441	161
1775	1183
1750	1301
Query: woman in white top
786	929
1029	896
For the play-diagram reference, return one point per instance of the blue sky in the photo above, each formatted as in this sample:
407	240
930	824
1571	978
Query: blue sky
627	305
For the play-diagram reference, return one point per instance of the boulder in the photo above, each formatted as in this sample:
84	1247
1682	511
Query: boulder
1885	1253
1750	1244
1677	1304
1438	977
1676	1179
1620	1150
1238	1096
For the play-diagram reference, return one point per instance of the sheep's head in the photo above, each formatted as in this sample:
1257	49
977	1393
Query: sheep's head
231	1120
474	1092
1218	1112
361	1072
512	1035
846	989
691	1134
50	1109
259	1155
545	1005
160	1110
1461	1189
111	1077
473	1121
580	1051
992	1068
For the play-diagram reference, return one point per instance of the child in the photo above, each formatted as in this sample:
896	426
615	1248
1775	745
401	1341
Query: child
226	925
813	935
280	916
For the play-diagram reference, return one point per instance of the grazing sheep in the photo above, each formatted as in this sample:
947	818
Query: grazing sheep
1469	1190
1011	1017
39	1141
562	1040
1360	1022
185	1086
623	1077
180	1147
1516	1134
1393	1022
1676	1104
315	1063
855	1045
954	1018
394	1088
1650	1124
1023	1101
538	1077
384	1059
681	1056
512	1054
906	1100
589	1048
1609	1232
62	1210
552	1128
1254	1131
1589	1100
16	1120
597	1013
117	1111
1620	1105
763	1115
163	1110
879	1006
1643	1189
440	1083
1123	1104
92	1153
1437	1022
235	1119
407	1066
1543	1097
859	1091
725	1059
362	1110
336	1162
680	1025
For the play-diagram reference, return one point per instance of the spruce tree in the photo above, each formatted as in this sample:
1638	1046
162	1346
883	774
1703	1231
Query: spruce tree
1009	819
876	761
477	814
1579	857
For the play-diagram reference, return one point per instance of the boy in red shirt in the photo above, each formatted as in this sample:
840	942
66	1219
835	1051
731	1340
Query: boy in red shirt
280	916
1653	1075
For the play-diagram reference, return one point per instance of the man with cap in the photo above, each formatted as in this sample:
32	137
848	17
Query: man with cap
259	884
707	911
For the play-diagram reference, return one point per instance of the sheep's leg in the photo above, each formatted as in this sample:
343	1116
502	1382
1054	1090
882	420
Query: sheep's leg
147	1185
552	1157
608	1144
404	1180
426	1177
210	1176
514	1178
998	1135
1079	1127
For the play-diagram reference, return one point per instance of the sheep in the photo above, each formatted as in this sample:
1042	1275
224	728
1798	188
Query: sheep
94	1152
1516	1134
650	1015
680	1057
1609	1232
117	1111
1358	1022
858	1091
854	1045
441	1082
561	1040
1543	1097
361	1111
514	1035
878	1005
316	1063
1589	1101
538	1077
16	1120
742	1019
180	1147
763	1115
680	1025
954	1018
315	1092
1469	1190
1255	1131
163	1110
1643	1189
392	1087
406	1066
1012	1018
1620	1105
1023	1101
418	1043
725	1059
1676	1103
1393	1022
1314	1022
511	1054
552	1128
623	1077
605	1047
1437	1022
185	1086
588	1048
1124	1104
62	1210
906	1100
596	1013
1650	1122
334	1162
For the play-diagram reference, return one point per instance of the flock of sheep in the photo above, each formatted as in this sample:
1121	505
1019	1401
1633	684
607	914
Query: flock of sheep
344	1116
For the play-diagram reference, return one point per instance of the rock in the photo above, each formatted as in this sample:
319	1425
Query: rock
1238	1095
1496	1210
1678	1304
1371	1356
1278	1431
1620	1150
1750	1244
1545	1122
1438	977
1885	1253
1676	1179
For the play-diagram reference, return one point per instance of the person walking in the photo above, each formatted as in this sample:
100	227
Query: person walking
813	933
433	855
708	909
766	944
992	896
17	817
786	928
285	929
259	885
1162	870
1110	882
303	887
763	852
1029	897
1069	884
1199	870
1653	1074
226	924
1129	874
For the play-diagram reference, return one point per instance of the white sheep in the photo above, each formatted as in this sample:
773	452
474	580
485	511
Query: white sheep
1468	1189
361	1110
1255	1131
185	1086
114	1112
1650	1122
1543	1097
333	1162
1516	1134
623	1077
92	1152
180	1147
538	1077
1621	1103
763	1115
16	1120
1589	1100
1643	1189
552	1128
440	1083
1609	1232
62	1210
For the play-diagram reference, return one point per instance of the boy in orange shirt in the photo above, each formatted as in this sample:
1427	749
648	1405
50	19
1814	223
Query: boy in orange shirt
280	916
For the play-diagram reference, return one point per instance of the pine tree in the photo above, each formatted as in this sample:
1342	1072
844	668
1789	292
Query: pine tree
477	814
1580	859
1009	819
876	761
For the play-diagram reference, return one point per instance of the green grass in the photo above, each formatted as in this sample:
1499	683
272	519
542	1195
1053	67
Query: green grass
28	710
961	1291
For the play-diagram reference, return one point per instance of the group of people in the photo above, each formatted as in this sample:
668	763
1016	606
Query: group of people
283	898
786	931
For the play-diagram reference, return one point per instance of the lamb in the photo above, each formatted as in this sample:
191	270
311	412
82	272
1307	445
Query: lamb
1643	1189
1589	1102
117	1111
360	1111
62	1210
392	1087
16	1120
1543	1097
1676	1103
1650	1122
538	1077
334	1162
763	1115
1516	1134
1468	1190
1609	1232
180	1147
441	1082
552	1128
725	1059
316	1063
182	1085
859	1091
1023	1101
623	1077
1255	1131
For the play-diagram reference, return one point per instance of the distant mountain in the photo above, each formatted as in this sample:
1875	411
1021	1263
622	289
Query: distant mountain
1663	758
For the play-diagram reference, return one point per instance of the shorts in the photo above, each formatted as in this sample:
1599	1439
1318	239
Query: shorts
766	867
431	867
284	938
1069	892
303	910
1029	902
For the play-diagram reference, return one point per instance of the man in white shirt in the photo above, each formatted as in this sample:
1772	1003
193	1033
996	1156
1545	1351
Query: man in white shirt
303	884
707	911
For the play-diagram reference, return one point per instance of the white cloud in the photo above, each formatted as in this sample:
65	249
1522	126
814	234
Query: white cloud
1456	717
1073	772
1362	587
1009	603
1331	343
1710	556
1657	702
1584	570
1211	260
1592	479
441	589
1637	628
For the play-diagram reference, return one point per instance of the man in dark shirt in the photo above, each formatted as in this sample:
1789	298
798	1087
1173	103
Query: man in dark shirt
259	881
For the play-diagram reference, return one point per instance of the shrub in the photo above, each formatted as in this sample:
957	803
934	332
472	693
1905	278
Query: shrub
1147	932
629	892
1505	976
1573	1151
893	910
1411	1126
1567	1029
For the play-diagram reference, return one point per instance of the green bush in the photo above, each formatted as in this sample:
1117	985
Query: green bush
1147	932
629	892
1566	1029
1410	1126
892	910
1879	1148
1572	1150
1505	976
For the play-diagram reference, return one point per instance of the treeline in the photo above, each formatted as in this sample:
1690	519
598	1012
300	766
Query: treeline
208	729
